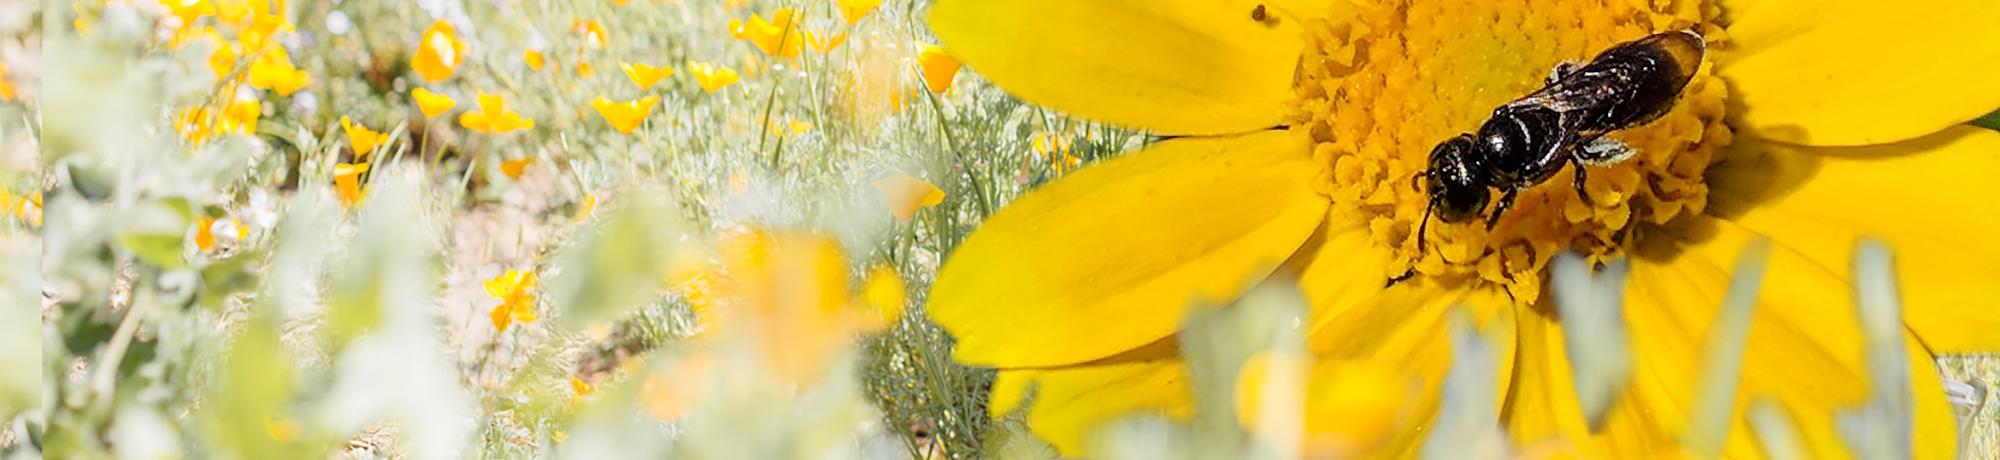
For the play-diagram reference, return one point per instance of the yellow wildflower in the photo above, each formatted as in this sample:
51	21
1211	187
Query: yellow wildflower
6	85
241	117
223	59
439	52
625	116
274	71
516	291
594	36
533	58
1054	148
579	387
825	43
204	233
361	139
1775	136
884	295
645	75
905	194
347	182
711	77
777	37
938	68
854	10
514	167
26	208
493	116
432	104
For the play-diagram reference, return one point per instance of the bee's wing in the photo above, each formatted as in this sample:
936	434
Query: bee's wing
1582	90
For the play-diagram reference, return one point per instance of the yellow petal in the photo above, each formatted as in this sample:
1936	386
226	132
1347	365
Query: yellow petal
1856	72
712	77
1170	67
1072	404
204	233
360	138
645	76
1803	350
439	53
905	194
1346	269
502	316
534	59
883	294
1109	258
1349	407
1406	325
1926	198
432	104
938	68
514	167
854	10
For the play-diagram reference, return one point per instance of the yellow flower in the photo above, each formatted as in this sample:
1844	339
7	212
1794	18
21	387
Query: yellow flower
223	59
905	194
854	10
7	92
776	37
1054	148
513	168
516	291
361	139
645	75
594	36
241	117
625	116
711	77
533	58
493	116
825	43
439	52
884	294
938	68
26	208
204	233
274	71
1776	136
347	182
579	387
432	104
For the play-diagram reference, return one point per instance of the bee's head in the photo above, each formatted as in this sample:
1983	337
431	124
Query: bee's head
1457	180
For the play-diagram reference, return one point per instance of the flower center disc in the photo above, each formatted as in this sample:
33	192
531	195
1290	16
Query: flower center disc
1379	87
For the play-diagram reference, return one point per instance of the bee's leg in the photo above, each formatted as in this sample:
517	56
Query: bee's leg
1562	69
1602	151
1407	274
1506	201
1581	191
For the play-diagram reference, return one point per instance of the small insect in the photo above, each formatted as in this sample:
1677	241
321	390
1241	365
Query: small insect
1262	15
1525	142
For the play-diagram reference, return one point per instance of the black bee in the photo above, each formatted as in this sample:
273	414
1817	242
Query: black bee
1528	140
